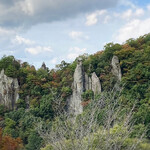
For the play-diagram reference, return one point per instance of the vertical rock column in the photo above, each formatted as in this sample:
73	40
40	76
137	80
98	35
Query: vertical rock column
9	89
80	84
93	83
116	70
75	106
96	85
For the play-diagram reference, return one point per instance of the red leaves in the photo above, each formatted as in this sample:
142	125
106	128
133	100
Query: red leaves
9	143
85	103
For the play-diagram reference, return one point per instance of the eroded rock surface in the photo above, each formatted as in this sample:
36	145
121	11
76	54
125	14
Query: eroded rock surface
116	70
43	66
82	83
75	106
8	91
96	85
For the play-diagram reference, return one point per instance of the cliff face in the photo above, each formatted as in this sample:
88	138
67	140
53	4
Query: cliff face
8	91
82	83
96	85
74	100
116	70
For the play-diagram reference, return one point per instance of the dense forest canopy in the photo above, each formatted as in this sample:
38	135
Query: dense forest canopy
42	89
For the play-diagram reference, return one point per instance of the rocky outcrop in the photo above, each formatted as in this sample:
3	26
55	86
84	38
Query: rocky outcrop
93	83
8	91
43	66
96	85
83	82
116	70
75	106
80	84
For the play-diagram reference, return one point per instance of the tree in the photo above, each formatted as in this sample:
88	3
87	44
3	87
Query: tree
2	110
34	141
9	143
10	65
104	125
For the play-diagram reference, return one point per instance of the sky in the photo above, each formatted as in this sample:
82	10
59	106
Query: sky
50	31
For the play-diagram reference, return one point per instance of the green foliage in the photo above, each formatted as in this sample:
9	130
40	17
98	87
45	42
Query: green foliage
88	95
10	65
63	65
26	125
40	90
143	114
46	109
48	147
66	91
10	127
21	103
16	114
11	71
139	128
34	141
2	110
110	48
42	74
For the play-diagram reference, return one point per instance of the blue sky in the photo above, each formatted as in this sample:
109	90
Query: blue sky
50	31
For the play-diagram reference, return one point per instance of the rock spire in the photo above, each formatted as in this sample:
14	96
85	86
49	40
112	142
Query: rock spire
9	89
116	70
80	84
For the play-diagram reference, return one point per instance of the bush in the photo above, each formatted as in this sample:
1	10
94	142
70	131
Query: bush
34	141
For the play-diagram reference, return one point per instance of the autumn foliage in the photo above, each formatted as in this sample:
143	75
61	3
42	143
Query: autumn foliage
9	143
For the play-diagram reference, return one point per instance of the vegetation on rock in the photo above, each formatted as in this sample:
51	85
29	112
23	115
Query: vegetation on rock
43	98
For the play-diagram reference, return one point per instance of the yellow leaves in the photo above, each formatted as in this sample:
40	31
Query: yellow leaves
125	52
46	85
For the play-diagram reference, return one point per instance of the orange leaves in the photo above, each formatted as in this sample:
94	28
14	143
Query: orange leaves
126	46
85	103
54	76
99	53
54	84
9	143
125	52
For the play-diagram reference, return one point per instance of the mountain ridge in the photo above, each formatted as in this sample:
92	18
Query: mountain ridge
43	92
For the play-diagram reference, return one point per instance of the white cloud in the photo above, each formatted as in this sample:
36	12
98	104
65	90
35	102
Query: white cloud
31	12
6	32
54	60
20	40
75	52
6	35
148	7
127	14
127	3
93	18
115	14
27	7
139	12
7	52
133	29
107	19
131	13
38	50
78	35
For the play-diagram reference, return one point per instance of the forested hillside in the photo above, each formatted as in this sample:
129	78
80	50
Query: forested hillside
41	110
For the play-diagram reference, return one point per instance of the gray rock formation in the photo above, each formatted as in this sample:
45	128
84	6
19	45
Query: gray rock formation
116	70
82	83
8	91
96	85
75	106
87	80
93	83
43	66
